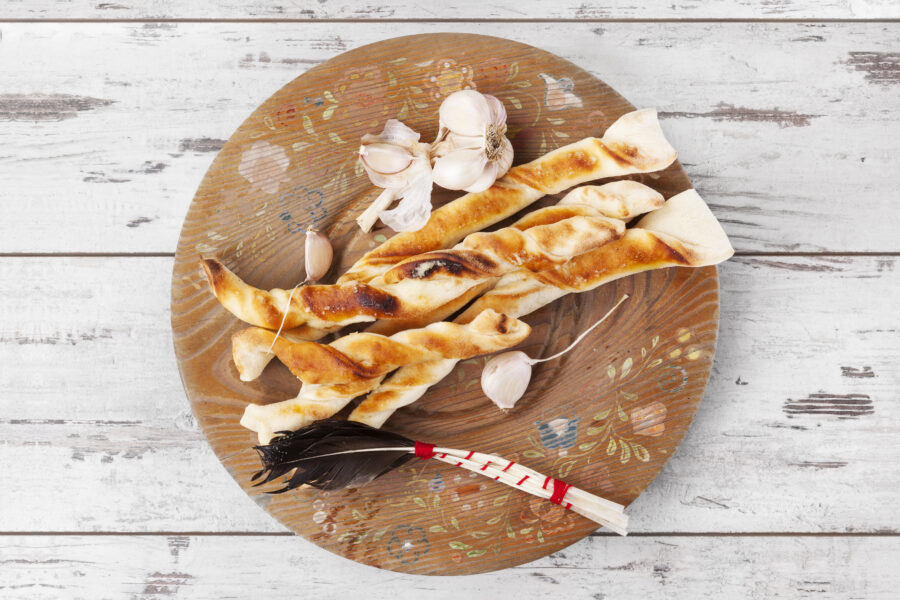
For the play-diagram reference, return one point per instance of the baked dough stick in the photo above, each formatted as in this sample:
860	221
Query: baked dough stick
682	233
417	286
633	144
487	256
374	356
618	199
482	256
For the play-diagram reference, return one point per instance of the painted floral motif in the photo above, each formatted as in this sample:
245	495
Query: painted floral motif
543	519
649	420
436	484
448	76
408	544
613	429
558	94
360	92
265	166
559	433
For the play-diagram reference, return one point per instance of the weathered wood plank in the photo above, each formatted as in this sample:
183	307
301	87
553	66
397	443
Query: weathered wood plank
108	128
182	567
797	431
459	9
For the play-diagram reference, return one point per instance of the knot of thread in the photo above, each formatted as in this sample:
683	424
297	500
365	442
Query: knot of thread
424	451
560	488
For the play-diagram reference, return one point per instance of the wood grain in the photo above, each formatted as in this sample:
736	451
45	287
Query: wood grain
184	566
779	129
315	10
95	444
634	397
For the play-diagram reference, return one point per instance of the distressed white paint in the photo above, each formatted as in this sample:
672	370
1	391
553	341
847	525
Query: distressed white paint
183	567
456	10
791	140
98	435
95	433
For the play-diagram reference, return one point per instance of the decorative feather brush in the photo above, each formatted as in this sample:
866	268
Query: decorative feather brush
332	454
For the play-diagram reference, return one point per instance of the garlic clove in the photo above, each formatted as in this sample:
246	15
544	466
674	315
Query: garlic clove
465	112
413	210
459	169
485	180
498	111
506	377
386	159
319	254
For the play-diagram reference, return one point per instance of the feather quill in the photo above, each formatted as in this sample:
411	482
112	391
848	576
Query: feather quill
332	454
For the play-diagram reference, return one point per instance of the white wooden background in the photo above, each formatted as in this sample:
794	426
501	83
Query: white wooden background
785	113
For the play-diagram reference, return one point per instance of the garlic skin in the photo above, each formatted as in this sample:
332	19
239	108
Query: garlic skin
471	151
319	254
396	161
506	377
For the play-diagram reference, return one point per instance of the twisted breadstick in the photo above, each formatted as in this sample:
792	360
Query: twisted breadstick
419	285
633	144
364	355
409	293
350	357
682	233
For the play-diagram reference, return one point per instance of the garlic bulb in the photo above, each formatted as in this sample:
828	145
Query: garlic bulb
318	255
471	150
396	161
506	376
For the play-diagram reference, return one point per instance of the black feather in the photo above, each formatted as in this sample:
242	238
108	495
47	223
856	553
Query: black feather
312	453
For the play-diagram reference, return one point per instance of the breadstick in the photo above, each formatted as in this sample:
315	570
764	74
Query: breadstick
634	143
359	356
372	355
410	292
418	285
620	199
682	233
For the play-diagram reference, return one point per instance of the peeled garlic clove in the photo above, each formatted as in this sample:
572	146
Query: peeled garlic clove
459	169
386	159
505	378
465	112
318	255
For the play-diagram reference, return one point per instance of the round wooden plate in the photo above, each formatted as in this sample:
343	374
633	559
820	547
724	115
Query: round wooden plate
605	417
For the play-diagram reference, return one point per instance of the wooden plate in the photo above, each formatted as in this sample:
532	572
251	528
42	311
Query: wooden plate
606	417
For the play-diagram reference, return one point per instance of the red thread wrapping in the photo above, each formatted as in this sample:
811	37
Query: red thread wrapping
424	451
560	488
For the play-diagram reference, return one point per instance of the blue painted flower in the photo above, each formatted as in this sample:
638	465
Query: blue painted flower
408	544
436	484
559	433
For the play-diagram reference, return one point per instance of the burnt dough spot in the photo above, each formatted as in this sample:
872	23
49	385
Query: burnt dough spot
338	302
463	265
215	272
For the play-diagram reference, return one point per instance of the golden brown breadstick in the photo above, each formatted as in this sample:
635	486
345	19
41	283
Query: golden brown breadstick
486	333
683	233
